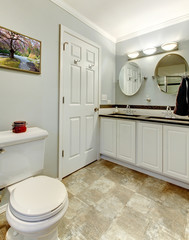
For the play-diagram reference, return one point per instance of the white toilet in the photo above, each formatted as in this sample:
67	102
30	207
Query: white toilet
37	203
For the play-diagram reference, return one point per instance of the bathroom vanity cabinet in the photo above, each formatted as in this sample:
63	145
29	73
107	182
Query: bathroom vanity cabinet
126	140
118	139
156	147
176	152
149	146
108	140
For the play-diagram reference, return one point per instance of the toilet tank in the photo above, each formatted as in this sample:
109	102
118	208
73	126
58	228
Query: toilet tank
21	155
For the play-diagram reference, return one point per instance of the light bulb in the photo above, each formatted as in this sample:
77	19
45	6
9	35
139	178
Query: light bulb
169	46
133	55
149	51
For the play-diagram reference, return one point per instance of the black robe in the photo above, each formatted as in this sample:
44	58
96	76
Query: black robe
182	101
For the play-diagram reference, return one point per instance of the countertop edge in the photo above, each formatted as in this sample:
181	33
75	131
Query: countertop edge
146	118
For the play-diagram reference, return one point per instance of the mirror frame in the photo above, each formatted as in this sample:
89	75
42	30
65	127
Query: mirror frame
141	79
156	70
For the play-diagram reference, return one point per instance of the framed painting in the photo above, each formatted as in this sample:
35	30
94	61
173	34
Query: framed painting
19	52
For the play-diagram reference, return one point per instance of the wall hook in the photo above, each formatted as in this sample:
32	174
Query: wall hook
64	45
76	61
91	66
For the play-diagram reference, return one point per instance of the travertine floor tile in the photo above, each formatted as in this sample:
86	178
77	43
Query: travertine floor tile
99	169
92	224
128	178
187	227
154	189
133	223
140	203
122	193
176	197
76	206
109	207
111	202
79	181
103	185
115	232
4	226
91	196
156	231
173	219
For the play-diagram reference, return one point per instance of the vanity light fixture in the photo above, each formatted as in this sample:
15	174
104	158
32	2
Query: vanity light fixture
169	46
166	47
133	55
149	51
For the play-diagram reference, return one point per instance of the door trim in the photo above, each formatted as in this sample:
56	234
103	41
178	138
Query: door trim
62	30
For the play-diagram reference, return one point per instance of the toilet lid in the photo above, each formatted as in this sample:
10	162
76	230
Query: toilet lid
38	198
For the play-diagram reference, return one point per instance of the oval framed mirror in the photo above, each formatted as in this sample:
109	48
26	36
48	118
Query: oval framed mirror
169	72
130	79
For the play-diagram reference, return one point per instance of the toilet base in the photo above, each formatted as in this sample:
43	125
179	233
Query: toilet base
13	235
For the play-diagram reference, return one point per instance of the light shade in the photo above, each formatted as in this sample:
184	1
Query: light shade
133	55
149	51
169	46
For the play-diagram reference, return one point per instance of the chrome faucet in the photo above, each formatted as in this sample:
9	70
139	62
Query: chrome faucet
128	110
168	113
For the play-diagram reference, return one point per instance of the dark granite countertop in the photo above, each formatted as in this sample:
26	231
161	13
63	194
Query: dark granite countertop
159	119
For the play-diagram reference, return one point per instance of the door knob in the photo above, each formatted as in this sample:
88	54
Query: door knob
2	150
96	109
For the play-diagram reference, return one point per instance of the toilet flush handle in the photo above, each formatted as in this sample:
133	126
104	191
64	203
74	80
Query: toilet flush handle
2	150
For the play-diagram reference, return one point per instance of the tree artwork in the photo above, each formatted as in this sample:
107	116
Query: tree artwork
19	52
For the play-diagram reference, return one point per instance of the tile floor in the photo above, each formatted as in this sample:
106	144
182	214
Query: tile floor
110	202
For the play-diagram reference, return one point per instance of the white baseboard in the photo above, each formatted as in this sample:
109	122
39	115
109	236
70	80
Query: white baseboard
150	173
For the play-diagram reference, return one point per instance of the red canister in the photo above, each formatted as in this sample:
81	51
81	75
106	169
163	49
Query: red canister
19	126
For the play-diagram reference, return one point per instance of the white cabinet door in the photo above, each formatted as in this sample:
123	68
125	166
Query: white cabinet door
108	137
126	141
176	152
150	146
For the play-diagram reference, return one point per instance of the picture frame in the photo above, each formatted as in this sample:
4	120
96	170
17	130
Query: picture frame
19	52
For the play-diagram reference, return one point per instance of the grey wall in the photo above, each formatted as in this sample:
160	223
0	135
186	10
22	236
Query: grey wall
149	88
34	98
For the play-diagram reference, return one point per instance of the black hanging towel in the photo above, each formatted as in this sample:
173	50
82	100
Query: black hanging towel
182	101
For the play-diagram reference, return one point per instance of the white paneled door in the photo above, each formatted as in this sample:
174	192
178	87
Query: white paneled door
79	83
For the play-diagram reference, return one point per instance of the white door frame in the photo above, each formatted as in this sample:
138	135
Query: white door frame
61	90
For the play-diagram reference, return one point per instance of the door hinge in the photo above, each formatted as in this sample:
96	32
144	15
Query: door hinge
63	100
62	153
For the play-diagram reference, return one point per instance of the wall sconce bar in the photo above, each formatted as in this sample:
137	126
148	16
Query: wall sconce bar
159	50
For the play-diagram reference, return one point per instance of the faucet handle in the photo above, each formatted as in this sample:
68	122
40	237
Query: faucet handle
168	108
128	110
169	113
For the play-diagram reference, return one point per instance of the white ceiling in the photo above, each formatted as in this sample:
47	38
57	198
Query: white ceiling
124	19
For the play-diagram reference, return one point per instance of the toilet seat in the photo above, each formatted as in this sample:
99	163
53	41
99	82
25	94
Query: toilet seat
38	198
